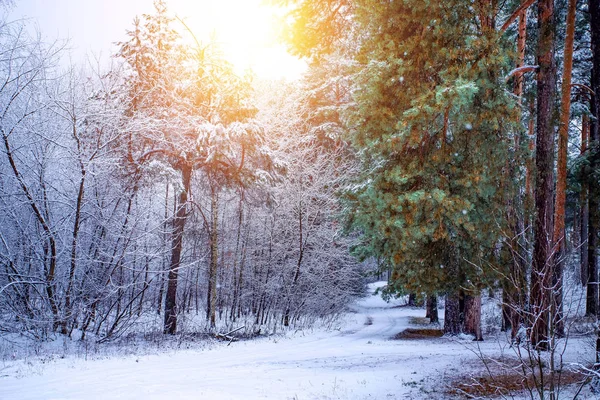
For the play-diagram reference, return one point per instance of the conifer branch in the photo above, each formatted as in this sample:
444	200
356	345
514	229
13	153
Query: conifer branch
588	89
524	6
522	70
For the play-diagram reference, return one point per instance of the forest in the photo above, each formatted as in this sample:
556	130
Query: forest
449	148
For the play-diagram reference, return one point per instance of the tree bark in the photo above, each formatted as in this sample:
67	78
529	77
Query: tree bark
515	284
584	206
487	14
594	184
541	272
170	325
521	46
161	283
506	309
235	297
452	323
591	305
301	239
412	299
561	176
50	268
76	225
525	4
432	309
214	258
472	323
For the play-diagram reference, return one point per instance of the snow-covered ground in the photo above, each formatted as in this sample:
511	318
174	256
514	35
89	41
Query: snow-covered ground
357	361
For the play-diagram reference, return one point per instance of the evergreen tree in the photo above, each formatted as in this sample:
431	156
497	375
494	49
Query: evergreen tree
434	129
316	28
593	176
434	124
542	271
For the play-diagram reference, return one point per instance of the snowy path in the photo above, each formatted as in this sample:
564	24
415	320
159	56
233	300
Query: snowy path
357	362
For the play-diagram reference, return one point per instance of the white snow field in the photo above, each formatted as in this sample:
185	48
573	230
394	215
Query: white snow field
358	361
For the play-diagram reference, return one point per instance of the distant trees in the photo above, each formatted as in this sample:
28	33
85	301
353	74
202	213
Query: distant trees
422	136
191	112
52	136
30	248
157	188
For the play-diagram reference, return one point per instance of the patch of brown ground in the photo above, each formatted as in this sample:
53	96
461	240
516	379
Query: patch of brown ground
419	321
505	383
412	333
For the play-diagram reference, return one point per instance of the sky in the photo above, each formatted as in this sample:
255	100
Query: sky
246	29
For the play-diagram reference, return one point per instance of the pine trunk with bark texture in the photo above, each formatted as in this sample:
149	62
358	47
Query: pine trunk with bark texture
594	182
558	236
584	206
541	271
452	320
515	284
412	299
472	313
432	309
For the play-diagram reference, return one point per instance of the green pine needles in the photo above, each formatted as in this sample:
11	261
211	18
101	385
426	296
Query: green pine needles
436	127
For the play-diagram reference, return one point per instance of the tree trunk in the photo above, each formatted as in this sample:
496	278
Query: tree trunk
515	284
590	229
211	301
412	299
50	267
584	206
541	272
529	163
592	286
452	323
594	183
507	309
301	239
518	296
521	46
558	235
161	282
472	324
170	325
487	14
76	224
432	310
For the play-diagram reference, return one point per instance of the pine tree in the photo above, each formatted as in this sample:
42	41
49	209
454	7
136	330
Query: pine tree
594	157
433	124
541	272
558	240
316	27
434	130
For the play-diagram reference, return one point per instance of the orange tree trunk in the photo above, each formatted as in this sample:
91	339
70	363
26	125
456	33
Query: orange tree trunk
561	176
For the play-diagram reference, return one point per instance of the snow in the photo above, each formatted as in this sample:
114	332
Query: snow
358	360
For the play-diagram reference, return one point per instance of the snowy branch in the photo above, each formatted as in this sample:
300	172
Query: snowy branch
522	70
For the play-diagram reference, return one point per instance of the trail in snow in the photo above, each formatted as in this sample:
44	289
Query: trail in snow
357	362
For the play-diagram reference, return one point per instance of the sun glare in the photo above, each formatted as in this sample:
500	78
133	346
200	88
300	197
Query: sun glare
246	31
